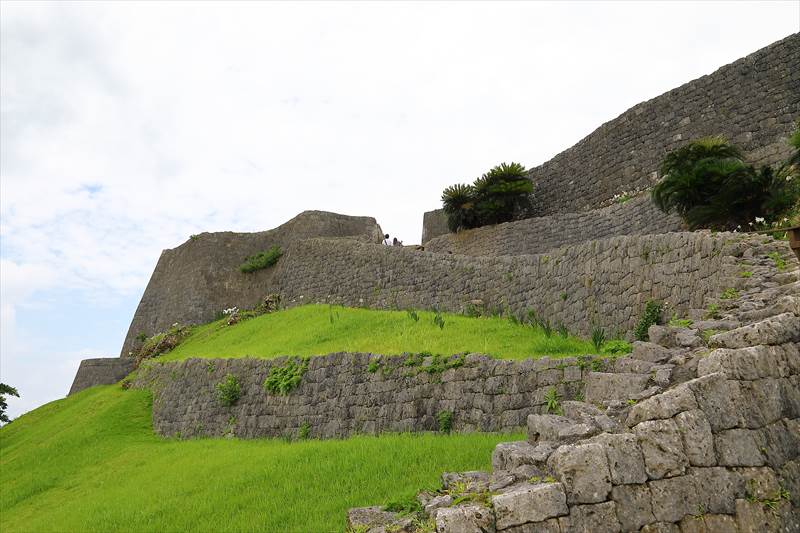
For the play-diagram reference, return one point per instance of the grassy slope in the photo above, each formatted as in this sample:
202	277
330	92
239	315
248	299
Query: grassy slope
309	330
92	463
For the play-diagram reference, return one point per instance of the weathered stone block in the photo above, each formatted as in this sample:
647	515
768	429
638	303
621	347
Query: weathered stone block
602	387
464	519
625	459
779	329
664	405
719	399
673	498
717	488
510	455
739	447
583	469
555	428
590	518
529	503
662	448
709	523
634	509
651	352
698	442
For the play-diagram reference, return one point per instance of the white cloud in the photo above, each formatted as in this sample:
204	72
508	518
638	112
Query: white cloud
126	127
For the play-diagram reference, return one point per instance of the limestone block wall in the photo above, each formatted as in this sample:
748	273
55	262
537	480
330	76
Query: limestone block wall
537	235
754	101
605	282
103	371
196	280
339	396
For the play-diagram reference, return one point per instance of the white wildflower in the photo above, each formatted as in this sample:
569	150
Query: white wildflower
760	220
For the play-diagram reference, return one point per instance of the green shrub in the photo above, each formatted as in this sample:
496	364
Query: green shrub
445	421
284	379
745	274
729	294
598	337
261	260
709	185
651	316
552	402
304	431
373	366
617	347
228	390
680	322
495	197
162	343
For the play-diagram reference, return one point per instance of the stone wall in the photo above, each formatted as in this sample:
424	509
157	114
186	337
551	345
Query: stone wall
718	450
339	396
754	102
434	223
604	283
537	235
103	371
196	280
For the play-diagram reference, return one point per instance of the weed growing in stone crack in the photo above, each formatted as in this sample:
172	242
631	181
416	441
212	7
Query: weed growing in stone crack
745	274
650	317
707	334
712	312
778	260
228	390
261	260
403	507
141	337
597	365
729	294
210	367
563	296
631	401
680	322
552	402
445	421
373	366
285	378
304	431
598	337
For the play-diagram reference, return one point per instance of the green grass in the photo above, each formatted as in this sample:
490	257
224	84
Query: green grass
322	329
92	463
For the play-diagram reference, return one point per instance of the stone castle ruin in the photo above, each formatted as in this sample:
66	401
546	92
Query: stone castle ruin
697	430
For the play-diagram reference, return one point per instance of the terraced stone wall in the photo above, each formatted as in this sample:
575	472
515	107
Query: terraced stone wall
339	395
637	216
604	283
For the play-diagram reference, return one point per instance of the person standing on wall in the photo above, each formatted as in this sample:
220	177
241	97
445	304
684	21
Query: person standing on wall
386	240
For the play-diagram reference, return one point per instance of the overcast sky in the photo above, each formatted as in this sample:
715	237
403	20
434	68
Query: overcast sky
126	127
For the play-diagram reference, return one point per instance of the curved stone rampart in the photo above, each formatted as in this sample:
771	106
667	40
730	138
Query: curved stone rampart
637	216
101	371
196	280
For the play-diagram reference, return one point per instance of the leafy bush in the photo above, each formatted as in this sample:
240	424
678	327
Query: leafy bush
304	431
709	185
712	312
495	197
261	260
284	379
617	347
598	337
651	316
228	390
729	294
445	421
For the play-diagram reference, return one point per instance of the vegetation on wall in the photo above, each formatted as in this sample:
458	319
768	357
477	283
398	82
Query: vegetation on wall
650	317
161	343
261	260
228	390
497	196
709	184
285	378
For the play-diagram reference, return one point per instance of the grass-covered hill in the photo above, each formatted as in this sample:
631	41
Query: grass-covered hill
91	462
323	329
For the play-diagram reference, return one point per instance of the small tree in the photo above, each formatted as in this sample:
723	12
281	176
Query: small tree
5	390
497	196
